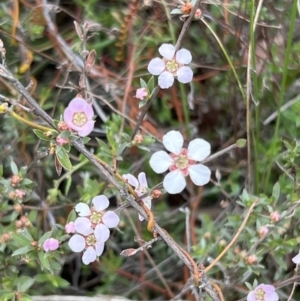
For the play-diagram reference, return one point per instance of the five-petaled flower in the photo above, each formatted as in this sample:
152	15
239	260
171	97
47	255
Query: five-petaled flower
79	116
171	65
263	292
92	228
181	162
141	187
51	244
141	93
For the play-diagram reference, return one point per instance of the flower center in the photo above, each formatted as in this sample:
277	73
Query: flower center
182	162
259	294
172	66
91	240
79	119
96	217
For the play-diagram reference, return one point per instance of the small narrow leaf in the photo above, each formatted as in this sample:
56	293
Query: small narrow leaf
63	158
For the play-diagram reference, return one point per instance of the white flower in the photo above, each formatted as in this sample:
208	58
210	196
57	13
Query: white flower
172	65
92	246
181	162
140	186
95	217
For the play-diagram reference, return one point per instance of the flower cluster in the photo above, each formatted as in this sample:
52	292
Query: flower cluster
141	187
79	116
263	292
92	228
181	162
171	65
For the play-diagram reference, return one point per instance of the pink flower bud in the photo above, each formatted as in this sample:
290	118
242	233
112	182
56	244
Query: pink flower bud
62	126
263	231
275	216
20	193
15	180
61	141
141	93
70	227
51	244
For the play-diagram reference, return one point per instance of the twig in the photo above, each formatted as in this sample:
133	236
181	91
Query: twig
234	238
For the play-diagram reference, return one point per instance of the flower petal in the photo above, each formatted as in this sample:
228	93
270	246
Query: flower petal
296	259
174	182
251	296
86	129
83	226
272	297
132	180
88	110
68	115
101	233
147	201
83	209
77	243
166	80
89	255
167	51
183	56
200	174
156	66
143	180
198	149
173	142
99	248
100	202
184	75
110	219
77	104
160	161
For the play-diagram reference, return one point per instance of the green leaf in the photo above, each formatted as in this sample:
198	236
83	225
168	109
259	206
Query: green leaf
8	297
44	260
14	168
143	84
23	250
41	134
1	170
63	158
52	279
44	237
176	11
68	185
276	191
151	84
85	140
21	239
142	103
72	216
145	148
24	283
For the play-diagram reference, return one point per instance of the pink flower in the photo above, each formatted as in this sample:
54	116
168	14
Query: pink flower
172	65
263	292
181	162
70	227
296	259
140	186
79	116
141	93
51	244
